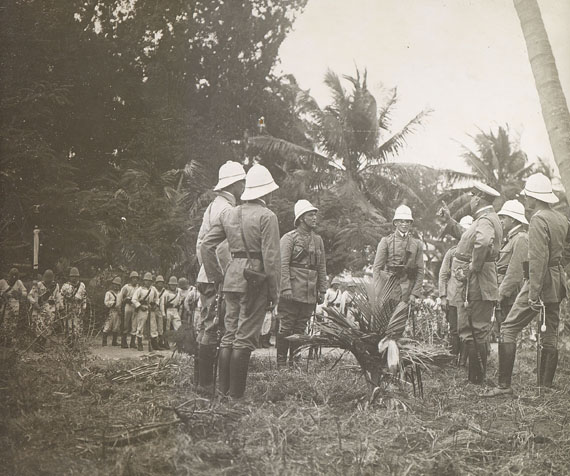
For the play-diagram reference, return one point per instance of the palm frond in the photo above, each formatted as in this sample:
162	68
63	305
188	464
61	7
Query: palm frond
392	146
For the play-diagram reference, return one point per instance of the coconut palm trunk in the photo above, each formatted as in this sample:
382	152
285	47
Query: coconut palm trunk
550	93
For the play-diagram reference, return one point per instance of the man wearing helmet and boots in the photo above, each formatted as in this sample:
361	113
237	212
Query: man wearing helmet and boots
474	269
447	285
252	279
46	300
303	279
12	290
126	303
75	302
113	322
169	307
333	294
230	186
402	255
145	302
159	315
513	253
542	291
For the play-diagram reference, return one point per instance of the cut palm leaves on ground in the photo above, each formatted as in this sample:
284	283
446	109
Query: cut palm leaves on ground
372	339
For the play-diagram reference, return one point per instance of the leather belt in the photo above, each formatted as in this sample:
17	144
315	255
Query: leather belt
243	254
467	259
303	266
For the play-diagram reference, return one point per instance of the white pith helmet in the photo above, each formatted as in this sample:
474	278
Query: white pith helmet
466	221
403	212
539	186
117	280
134	274
159	279
336	280
489	191
173	280
258	183
230	172
302	207
514	209
147	277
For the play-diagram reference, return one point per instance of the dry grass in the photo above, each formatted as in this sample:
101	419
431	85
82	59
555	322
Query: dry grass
68	417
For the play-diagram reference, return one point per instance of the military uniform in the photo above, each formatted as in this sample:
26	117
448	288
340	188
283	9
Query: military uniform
475	272
510	267
304	274
169	305
160	315
401	255
447	288
113	321
10	296
332	298
46	302
75	303
145	302
125	301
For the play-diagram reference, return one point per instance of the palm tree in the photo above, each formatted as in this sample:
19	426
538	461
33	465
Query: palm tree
552	99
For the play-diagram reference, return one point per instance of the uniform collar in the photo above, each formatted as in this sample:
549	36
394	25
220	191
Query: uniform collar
227	196
257	201
483	211
401	235
514	231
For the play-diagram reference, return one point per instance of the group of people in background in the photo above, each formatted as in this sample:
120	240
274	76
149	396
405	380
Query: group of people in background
503	266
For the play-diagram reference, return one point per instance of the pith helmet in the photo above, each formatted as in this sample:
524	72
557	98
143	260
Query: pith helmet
48	274
335	280
539	186
484	188
302	207
73	272
183	282
14	272
117	280
258	183
403	213
134	274
147	277
514	209
159	279
173	280
230	172
466	221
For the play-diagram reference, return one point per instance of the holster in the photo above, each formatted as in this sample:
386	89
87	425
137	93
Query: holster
254	278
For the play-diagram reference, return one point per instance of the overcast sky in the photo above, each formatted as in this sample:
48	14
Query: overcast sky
465	59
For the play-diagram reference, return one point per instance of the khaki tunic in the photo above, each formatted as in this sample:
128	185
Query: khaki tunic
303	266
395	250
478	249
510	264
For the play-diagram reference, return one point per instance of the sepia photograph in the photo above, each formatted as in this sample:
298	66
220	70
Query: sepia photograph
284	237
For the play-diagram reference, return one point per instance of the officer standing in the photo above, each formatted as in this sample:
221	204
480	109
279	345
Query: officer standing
113	322
230	186
303	278
126	302
75	302
474	270
252	280
447	286
12	290
402	255
544	289
145	302
46	300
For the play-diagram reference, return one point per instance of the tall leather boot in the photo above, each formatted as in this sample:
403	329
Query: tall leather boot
114	342
239	366
549	362
206	373
507	353
484	348
133	344
294	356
165	344
124	344
454	344
282	346
154	343
475	370
224	369
104	343
463	355
139	343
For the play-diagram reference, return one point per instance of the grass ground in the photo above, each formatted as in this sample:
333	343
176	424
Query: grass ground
60	414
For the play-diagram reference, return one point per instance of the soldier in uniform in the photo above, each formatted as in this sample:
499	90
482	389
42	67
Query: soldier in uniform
303	279
513	253
46	300
168	305
183	287
113	321
126	303
145	302
12	290
333	294
474	270
447	287
544	289
231	180
159	315
75	302
402	255
252	280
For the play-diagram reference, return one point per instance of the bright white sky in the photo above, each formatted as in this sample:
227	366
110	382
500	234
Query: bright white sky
465	59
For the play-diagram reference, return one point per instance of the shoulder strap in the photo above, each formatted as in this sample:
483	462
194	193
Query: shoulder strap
243	234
